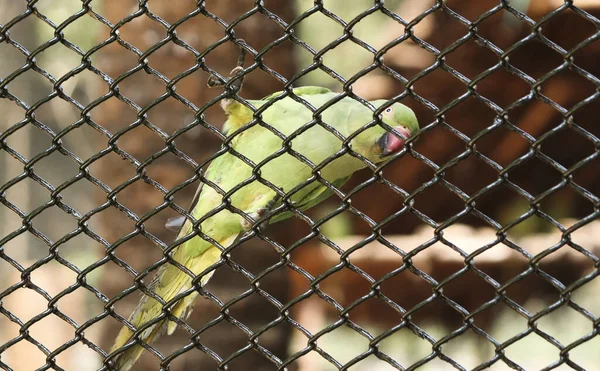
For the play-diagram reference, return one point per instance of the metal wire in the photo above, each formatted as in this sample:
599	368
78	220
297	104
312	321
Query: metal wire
343	320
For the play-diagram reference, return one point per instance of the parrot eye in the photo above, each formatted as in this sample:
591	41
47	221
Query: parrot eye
388	110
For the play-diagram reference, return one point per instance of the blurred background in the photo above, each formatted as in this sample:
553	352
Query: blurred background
61	271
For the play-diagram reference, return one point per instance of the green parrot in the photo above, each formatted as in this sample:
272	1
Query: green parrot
284	171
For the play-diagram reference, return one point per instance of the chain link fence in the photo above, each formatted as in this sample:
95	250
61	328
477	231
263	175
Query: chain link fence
472	248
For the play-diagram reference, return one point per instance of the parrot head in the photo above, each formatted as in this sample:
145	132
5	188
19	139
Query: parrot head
377	143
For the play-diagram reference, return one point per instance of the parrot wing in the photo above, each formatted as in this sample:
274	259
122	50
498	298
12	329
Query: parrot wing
316	196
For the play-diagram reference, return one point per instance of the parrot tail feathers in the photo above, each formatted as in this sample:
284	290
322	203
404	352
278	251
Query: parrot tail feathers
126	359
182	310
168	282
184	307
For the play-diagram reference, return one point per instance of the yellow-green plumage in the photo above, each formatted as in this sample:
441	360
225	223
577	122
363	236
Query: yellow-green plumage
284	171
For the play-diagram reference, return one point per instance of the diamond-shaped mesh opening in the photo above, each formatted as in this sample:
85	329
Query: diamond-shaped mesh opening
125	171
423	85
12	59
540	353
58	113
20	36
184	57
132	80
471	50
19	86
521	57
459	350
75	88
566	203
471	245
488	82
58	60
582	355
58	15
519	292
586	27
54	223
577	327
171	14
458	288
465	170
584	88
16	199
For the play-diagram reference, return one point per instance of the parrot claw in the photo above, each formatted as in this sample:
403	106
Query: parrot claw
214	81
236	70
237	79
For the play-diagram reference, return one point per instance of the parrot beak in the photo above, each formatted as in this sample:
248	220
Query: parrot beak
390	143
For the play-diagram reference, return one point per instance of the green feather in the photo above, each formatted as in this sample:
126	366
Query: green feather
315	197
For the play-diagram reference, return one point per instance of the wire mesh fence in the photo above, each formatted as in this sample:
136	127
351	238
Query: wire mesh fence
469	246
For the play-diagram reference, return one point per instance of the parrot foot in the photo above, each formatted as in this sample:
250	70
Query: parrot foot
237	79
259	213
255	216
247	225
236	75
